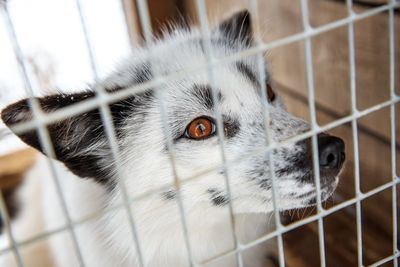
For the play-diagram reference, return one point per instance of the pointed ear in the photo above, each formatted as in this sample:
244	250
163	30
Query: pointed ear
237	28
78	141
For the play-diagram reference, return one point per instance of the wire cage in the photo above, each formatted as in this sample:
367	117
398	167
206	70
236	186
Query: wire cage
307	36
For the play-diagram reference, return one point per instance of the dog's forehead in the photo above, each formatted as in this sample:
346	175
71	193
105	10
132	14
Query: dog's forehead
185	56
182	61
233	91
184	52
235	81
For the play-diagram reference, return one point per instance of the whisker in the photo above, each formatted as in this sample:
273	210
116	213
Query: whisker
304	212
311	211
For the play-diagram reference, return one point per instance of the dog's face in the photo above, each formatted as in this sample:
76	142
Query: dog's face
190	123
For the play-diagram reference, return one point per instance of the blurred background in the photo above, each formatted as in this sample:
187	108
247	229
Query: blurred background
53	42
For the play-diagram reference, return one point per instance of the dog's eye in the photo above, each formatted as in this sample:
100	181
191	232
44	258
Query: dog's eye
200	128
270	93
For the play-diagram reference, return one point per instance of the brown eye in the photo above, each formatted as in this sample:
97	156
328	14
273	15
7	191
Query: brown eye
270	93
200	128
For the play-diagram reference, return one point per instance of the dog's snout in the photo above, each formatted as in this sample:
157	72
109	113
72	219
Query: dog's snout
331	151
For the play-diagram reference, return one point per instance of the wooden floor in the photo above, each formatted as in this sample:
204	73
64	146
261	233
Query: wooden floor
302	247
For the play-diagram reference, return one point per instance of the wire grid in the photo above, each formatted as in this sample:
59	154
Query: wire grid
103	98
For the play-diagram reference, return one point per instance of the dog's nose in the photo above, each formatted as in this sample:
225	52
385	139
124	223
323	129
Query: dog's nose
331	151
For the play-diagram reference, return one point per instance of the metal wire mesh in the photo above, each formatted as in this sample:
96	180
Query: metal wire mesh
103	98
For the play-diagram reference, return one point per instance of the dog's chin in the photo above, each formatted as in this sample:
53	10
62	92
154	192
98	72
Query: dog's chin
310	199
326	192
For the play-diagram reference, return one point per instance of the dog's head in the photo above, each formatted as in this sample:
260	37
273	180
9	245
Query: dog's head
189	122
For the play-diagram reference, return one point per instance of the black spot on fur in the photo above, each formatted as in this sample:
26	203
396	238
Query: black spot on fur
311	201
219	96
231	125
220	200
265	184
300	162
246	71
136	104
169	195
203	93
217	198
138	75
142	74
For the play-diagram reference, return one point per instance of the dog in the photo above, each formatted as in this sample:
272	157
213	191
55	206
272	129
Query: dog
92	180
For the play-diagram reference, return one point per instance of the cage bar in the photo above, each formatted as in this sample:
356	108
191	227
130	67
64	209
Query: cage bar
393	133
314	127
354	110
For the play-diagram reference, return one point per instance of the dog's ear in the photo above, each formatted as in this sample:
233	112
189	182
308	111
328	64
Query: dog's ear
78	141
237	28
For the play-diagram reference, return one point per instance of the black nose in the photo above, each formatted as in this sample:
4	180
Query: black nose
331	151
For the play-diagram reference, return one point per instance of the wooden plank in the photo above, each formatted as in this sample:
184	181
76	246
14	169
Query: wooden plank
371	2
162	13
132	21
302	245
